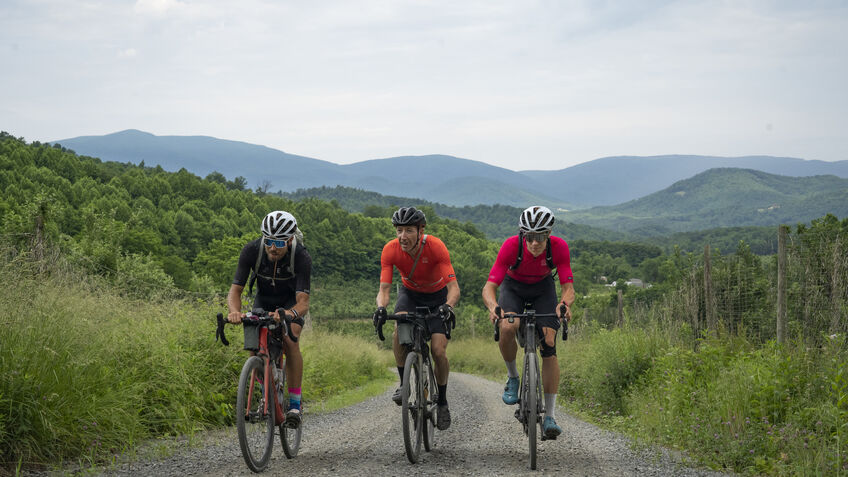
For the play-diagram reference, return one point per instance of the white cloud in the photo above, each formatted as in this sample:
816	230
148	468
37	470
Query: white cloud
128	53
157	7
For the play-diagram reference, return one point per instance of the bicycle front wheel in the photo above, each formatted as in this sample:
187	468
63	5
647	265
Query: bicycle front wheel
412	407
532	390
430	402
254	420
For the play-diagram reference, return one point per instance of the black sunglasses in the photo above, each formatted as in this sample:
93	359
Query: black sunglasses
536	237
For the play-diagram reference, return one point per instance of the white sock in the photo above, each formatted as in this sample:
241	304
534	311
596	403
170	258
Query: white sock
511	369
550	405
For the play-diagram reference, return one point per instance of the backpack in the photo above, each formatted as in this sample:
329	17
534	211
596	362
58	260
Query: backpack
548	255
298	240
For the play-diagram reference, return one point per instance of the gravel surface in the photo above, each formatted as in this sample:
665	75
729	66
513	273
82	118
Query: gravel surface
366	439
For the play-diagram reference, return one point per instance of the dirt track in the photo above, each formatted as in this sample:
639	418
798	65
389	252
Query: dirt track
485	439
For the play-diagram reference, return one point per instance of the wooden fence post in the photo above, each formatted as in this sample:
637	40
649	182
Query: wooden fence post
709	307
781	284
620	308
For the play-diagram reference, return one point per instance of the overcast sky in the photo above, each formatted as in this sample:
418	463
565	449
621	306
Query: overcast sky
518	84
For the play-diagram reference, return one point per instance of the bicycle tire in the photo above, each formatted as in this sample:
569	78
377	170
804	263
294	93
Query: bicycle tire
532	405
411	409
255	427
289	438
431	401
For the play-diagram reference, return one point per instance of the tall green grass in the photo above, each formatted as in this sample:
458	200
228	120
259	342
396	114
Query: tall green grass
730	404
776	410
87	371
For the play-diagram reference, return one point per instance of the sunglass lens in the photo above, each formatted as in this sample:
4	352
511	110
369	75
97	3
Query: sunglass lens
536	237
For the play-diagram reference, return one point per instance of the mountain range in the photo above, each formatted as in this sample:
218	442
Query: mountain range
723	197
438	178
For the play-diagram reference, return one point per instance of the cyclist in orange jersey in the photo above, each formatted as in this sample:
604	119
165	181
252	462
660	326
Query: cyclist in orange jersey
428	279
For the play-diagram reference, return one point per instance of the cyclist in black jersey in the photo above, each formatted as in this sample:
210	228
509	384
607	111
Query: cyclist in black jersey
281	268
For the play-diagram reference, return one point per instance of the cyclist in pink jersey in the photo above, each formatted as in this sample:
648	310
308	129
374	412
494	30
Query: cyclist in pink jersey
524	272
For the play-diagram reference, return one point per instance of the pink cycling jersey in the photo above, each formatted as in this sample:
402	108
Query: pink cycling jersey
532	269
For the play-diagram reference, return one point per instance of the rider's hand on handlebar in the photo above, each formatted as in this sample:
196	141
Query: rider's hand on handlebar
493	314
275	315
446	312
379	315
565	316
235	317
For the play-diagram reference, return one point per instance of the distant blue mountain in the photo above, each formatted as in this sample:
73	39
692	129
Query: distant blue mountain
614	180
438	178
202	155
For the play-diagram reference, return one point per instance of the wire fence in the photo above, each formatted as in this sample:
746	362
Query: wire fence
743	294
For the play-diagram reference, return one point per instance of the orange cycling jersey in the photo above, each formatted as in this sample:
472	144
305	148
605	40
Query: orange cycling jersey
432	272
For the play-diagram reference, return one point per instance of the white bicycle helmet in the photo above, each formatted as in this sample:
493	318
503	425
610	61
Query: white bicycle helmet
279	225
536	219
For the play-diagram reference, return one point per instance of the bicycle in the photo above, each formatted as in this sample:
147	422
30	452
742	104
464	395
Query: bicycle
260	408
531	402
419	391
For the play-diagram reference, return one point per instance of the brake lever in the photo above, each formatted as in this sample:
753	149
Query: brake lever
380	330
564	319
219	333
497	323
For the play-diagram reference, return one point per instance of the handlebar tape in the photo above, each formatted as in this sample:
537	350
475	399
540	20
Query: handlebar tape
219	333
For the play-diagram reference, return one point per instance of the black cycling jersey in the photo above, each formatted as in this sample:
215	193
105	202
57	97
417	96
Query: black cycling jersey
275	280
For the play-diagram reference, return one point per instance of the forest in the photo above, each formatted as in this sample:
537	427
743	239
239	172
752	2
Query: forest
164	228
696	362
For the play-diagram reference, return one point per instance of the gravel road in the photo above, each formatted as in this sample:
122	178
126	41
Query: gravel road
366	439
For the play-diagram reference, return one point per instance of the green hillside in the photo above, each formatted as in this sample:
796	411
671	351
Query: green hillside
174	228
496	221
723	198
762	240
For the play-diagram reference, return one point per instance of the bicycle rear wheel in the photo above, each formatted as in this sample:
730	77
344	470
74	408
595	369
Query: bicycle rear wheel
412	416
255	424
430	402
532	369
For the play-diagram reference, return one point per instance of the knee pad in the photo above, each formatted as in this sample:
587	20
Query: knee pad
546	350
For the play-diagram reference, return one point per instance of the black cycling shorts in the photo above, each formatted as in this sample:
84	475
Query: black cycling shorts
408	300
540	295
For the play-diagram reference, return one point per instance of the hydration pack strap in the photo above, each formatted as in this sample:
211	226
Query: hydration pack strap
255	271
548	254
